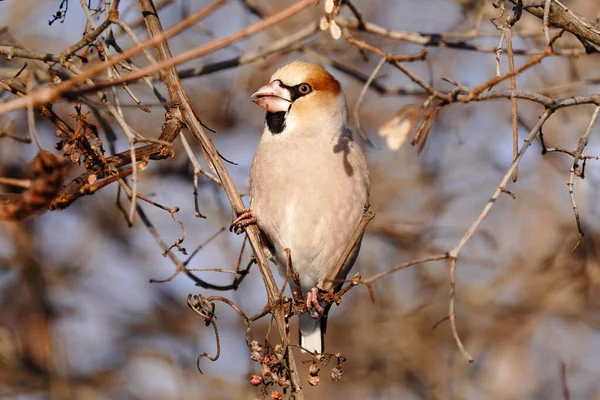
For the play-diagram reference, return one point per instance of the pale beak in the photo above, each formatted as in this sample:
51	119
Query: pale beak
272	97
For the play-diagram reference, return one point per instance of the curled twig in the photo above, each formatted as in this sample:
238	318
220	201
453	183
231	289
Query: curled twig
204	308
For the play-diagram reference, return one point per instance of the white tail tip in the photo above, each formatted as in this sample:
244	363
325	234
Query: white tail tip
311	336
312	341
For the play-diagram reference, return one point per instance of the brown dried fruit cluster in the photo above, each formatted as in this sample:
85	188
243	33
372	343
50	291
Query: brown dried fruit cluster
322	361
84	144
313	374
48	173
272	365
336	374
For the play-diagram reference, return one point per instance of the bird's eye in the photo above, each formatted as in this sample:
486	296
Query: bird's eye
304	88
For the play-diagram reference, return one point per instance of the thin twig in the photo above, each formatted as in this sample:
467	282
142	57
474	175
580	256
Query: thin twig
287	43
563	382
513	99
369	281
452	312
546	20
362	95
197	171
366	217
575	170
486	209
453	254
22	183
192	54
43	96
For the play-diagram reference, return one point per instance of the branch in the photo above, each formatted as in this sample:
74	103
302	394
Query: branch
560	16
214	160
47	95
288	43
80	186
499	189
575	170
15	51
367	216
440	39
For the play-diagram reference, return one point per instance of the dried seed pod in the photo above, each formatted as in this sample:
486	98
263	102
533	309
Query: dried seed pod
335	30
255	356
48	175
329	6
397	130
336	374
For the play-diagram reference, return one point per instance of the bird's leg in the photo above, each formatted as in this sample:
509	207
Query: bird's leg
243	219
312	300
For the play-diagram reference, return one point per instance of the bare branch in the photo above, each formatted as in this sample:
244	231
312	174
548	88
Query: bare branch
560	16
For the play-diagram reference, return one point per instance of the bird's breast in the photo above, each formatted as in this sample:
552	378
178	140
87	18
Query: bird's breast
308	197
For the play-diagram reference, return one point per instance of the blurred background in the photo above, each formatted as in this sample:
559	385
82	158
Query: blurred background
79	318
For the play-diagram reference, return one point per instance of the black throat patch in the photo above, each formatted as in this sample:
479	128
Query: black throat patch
276	121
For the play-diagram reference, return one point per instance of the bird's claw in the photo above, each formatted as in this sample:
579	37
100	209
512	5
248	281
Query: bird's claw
243	220
312	300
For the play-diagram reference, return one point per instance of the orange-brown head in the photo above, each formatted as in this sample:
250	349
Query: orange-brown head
301	94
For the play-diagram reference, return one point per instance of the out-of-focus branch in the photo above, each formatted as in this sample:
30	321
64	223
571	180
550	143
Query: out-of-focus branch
14	51
48	174
47	95
441	40
513	100
199	51
286	44
494	81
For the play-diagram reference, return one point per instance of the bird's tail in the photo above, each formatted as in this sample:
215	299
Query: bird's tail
312	333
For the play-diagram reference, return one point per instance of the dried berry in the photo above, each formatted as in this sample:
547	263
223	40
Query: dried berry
256	380
313	380
336	374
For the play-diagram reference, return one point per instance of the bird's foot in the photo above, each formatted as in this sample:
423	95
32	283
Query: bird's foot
244	219
312	300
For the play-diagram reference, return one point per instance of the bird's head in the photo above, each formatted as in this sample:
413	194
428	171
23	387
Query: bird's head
302	95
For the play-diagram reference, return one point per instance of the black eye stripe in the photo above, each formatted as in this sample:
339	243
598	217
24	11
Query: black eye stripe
297	91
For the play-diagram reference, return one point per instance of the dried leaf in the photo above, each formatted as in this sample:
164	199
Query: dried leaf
324	24
335	30
423	133
397	130
329	6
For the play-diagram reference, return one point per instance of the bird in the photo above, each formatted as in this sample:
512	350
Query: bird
309	185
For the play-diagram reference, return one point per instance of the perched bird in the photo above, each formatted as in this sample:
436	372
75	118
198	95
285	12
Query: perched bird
309	183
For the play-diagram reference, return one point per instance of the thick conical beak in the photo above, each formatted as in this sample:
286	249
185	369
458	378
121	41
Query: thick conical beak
272	97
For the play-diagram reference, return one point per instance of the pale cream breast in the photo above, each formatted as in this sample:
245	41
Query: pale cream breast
309	196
